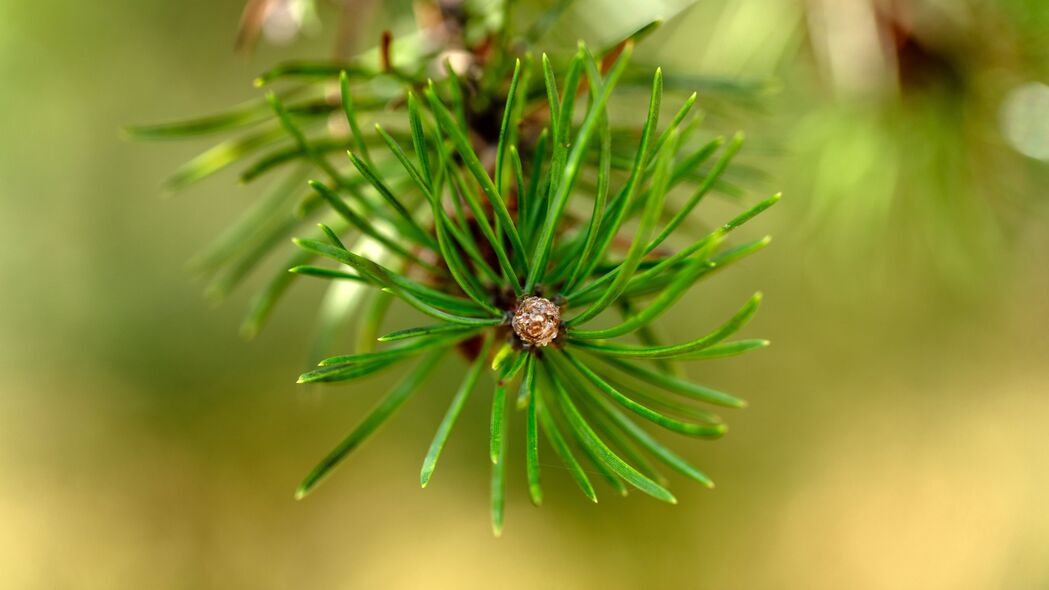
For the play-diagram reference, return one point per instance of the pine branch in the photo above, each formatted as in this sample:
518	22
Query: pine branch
501	216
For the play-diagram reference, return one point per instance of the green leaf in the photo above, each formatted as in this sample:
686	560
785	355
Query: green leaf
751	213
614	481
444	339
511	370
619	205
674	384
325	273
653	207
552	97
300	139
528	203
499	359
293	153
476	168
600	196
737	321
376	418
566	111
402	158
541	254
219	157
341	303
351	115
534	196
499	486
498	456
581	295
691	162
504	129
521	103
572	256
482	223
415	231
456	90
685	168
726	349
263	302
599	466
675	122
366	228
422	154
371	323
660	399
337	373
432	195
313	70
711	178
452	415
521	188
720	261
456	265
332	236
421	298
425	331
651	444
609	458
242	115
527	388
561	138
647	335
561	448
468	245
700	430
532	453
498	418
623	445
666	298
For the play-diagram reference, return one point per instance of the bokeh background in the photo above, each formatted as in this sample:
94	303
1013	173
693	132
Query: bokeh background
897	435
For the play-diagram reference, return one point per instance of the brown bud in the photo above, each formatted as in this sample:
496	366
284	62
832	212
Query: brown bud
536	321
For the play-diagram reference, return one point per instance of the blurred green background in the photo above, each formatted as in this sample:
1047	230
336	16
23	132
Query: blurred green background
897	435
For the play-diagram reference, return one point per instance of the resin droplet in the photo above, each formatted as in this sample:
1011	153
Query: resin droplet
536	321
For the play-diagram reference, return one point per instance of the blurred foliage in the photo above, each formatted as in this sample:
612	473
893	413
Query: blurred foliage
895	112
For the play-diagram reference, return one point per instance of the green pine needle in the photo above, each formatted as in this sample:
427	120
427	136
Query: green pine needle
376	418
452	415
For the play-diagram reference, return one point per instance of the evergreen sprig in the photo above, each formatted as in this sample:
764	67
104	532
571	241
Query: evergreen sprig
508	209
